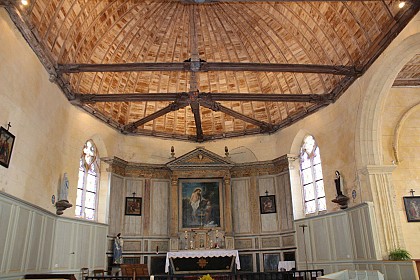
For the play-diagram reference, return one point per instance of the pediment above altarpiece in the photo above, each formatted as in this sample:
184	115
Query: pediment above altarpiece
200	158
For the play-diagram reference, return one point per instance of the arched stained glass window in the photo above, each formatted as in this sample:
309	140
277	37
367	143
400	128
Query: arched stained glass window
311	176
88	183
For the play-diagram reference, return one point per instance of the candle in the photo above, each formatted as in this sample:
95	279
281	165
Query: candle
152	277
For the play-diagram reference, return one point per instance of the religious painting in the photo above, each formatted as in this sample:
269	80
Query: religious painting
271	262
268	204
412	208
133	206
6	146
200	203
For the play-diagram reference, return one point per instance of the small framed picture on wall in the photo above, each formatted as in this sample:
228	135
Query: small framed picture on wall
133	206
268	204
6	146
412	208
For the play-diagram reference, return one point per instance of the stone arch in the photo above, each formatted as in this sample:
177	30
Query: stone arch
376	83
380	80
398	127
100	145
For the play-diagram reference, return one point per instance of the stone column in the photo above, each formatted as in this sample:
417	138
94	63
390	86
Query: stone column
379	179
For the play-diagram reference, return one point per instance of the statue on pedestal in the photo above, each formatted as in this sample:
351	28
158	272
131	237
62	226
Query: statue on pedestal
63	203
341	199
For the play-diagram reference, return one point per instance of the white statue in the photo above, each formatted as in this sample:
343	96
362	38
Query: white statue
64	189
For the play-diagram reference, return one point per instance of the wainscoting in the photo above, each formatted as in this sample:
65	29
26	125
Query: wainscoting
346	240
33	240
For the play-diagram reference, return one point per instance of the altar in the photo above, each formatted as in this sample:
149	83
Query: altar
202	261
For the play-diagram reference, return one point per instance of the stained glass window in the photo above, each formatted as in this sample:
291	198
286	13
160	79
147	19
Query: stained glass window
87	186
311	176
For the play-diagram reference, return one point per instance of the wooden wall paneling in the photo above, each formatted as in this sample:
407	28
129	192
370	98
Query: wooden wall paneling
320	239
99	242
284	202
159	197
241	205
36	243
63	245
33	240
49	229
133	224
19	240
365	244
373	248
5	236
269	222
117	199
339	229
83	245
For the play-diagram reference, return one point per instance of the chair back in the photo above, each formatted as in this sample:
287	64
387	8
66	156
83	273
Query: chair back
99	272
85	272
134	270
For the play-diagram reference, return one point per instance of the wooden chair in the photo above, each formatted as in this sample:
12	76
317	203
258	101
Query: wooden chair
134	270
99	272
85	272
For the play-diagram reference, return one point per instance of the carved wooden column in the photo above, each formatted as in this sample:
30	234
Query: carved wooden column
228	206
173	205
383	195
146	206
229	240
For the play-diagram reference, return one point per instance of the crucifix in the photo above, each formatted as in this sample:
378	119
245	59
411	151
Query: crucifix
412	192
134	194
266	193
8	126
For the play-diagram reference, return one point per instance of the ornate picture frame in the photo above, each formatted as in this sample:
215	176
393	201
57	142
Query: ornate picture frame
412	208
200	203
268	204
7	140
133	206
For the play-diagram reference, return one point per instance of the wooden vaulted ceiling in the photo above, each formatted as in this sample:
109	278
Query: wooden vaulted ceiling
206	69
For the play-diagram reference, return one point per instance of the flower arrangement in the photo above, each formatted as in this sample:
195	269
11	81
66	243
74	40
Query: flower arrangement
206	277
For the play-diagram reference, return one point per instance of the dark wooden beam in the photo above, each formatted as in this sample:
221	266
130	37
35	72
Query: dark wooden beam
195	107
406	83
209	66
215	106
171	107
142	97
120	67
270	97
276	67
126	97
5	3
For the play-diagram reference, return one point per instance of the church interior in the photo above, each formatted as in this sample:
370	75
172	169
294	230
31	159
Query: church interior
286	131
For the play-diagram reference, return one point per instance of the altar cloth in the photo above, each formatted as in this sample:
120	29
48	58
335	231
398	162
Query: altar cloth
202	254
